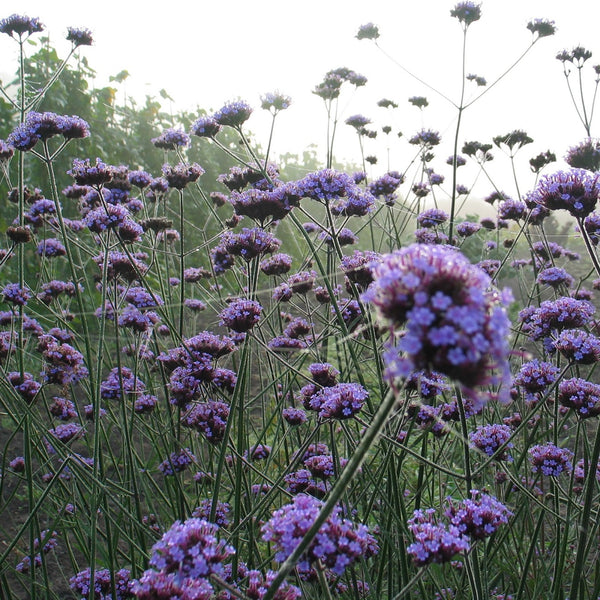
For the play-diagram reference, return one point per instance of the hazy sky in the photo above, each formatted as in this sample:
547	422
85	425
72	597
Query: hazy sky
206	53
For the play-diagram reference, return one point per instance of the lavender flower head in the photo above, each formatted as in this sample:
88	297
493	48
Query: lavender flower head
478	516
338	544
341	401
233	114
434	542
580	395
241	315
575	190
80	36
489	438
550	460
453	320
20	24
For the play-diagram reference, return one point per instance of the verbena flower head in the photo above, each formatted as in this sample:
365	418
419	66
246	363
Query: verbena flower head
177	462
20	25
581	395
233	114
555	277
454	321
550	460
80	36
338	544
479	516
585	155
86	173
191	549
535	377
171	139
241	315
466	12
180	175
579	346
489	438
340	401
543	27
369	31
432	217
576	191
82	581
275	102
205	127
434	542
427	138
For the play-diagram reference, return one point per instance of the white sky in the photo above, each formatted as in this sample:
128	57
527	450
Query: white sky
208	52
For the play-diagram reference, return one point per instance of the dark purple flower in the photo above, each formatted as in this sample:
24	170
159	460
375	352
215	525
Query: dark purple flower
427	138
454	321
121	381
79	36
81	584
171	139
341	401
555	277
581	395
550	460
576	191
205	127
13	293
543	27
204	509
434	542
275	102
209	418
467	228
278	264
181	174
479	516
466	12
489	438
294	416
432	217
177	462
241	315
20	24
535	377
337	545
233	114
579	346
585	155
85	173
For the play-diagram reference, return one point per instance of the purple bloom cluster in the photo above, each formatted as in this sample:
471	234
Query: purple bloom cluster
203	510
432	217
119	382
581	395
233	114
241	315
535	377
555	315
171	139
550	460
555	277
579	346
21	25
294	416
467	228
181	174
340	401
209	418
479	516
81	584
42	126
576	191
434	542
182	562
177	462
489	438
338	544
205	126
249	243
454	321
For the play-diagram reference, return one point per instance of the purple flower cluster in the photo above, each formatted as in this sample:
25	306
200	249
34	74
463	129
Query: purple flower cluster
578	346
434	542
555	277
479	516
340	401
550	460
177	462
42	126
182	562
575	190
338	544
535	377
81	583
489	438
171	139
432	217
233	114
454	321
241	315
581	395
209	418
120	382
203	510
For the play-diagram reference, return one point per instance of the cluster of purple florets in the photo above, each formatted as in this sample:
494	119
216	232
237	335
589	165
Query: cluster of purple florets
450	318
490	438
81	584
337	545
43	126
183	561
581	395
550	460
471	519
